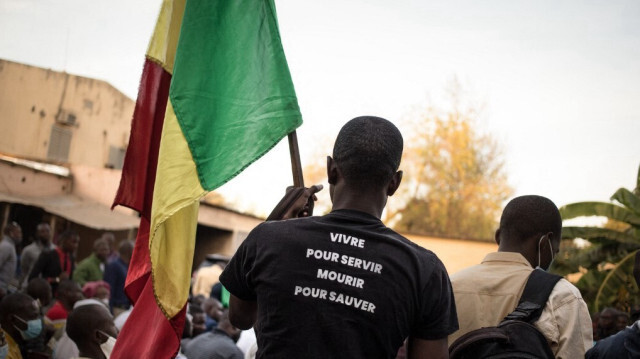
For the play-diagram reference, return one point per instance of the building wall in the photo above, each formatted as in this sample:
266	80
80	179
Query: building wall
211	241
34	102
455	254
22	181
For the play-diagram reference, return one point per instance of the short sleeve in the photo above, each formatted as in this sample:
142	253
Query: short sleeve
438	317
236	275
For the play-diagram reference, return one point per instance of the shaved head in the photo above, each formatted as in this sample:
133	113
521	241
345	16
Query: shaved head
368	150
529	217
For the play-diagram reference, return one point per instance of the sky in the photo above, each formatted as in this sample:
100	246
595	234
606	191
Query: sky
559	81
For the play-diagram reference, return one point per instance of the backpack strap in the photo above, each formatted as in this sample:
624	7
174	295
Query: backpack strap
534	297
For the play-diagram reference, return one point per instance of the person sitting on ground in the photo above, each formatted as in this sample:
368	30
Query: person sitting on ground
342	285
116	274
91	328
216	344
91	268
58	264
528	237
21	323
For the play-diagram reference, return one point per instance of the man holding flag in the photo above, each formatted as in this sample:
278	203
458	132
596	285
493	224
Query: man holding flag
343	285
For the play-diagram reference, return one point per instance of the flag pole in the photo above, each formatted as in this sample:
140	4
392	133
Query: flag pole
296	167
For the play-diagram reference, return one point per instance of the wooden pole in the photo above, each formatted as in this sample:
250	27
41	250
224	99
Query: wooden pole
296	167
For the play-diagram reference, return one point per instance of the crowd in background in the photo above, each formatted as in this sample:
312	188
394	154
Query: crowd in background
43	287
54	306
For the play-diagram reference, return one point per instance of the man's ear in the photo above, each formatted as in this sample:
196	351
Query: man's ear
394	183
332	171
497	237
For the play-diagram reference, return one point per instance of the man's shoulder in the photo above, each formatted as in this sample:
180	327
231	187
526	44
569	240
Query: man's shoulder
207	340
89	261
563	293
32	247
114	267
623	344
466	274
6	247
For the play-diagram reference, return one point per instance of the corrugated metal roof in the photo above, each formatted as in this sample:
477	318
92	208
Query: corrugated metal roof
82	211
39	166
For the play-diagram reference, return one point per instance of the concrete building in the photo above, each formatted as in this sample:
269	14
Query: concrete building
62	144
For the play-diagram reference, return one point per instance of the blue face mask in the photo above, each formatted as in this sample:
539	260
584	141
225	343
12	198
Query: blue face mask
34	328
4	351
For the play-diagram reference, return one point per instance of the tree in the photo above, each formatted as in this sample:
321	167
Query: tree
609	256
455	182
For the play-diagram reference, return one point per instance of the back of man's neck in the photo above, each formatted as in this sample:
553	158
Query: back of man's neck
363	202
364	209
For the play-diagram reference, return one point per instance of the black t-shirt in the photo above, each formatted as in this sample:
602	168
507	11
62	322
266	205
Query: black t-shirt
340	286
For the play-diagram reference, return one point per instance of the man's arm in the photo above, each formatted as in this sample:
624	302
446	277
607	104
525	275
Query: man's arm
26	262
575	329
6	271
81	273
423	349
242	313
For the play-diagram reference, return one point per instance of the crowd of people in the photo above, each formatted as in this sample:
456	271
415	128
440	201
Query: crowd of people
342	285
50	302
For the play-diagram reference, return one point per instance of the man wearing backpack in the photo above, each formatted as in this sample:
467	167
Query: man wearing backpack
528	238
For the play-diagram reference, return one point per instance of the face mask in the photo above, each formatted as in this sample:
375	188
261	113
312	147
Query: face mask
34	328
4	351
550	248
105	302
107	347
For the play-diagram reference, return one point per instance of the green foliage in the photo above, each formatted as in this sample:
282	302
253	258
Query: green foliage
608	259
619	286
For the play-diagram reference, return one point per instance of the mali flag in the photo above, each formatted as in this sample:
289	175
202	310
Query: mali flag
216	94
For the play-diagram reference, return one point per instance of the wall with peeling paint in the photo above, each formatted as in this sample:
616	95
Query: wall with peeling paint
34	102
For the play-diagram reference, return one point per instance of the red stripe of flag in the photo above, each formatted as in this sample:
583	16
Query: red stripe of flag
147	332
